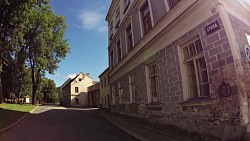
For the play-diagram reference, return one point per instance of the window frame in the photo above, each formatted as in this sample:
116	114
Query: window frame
120	91
149	77
119	50
132	88
112	63
117	17
146	3
128	48
185	71
111	30
76	89
126	5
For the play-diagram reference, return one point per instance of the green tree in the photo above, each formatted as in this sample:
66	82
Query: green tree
11	25
49	90
45	43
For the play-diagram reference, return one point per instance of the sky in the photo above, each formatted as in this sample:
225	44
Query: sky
87	35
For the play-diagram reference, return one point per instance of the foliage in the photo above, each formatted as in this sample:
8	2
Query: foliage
49	90
31	43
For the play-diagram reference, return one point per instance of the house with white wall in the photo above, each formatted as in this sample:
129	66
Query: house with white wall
74	91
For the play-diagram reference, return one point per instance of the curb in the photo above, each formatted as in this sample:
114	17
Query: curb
18	121
131	133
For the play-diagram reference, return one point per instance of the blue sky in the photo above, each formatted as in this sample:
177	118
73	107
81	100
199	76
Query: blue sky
87	37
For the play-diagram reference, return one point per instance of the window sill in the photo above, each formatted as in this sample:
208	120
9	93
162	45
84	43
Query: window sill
154	106
197	102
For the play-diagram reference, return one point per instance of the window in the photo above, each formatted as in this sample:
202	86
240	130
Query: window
129	37
117	17
111	26
80	79
101	83
126	4
153	83
196	70
111	30
76	90
119	51
120	91
105	82
173	3
112	59
146	19
132	87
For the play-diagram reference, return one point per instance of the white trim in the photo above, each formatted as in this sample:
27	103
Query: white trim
151	13
149	96
128	22
167	6
130	90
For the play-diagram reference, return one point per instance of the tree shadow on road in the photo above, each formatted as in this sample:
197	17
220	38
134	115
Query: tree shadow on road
8	117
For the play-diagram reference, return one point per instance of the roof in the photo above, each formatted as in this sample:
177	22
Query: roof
111	9
71	80
103	72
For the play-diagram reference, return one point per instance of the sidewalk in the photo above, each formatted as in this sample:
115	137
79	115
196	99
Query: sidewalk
138	130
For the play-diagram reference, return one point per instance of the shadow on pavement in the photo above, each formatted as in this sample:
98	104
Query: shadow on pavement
8	117
55	123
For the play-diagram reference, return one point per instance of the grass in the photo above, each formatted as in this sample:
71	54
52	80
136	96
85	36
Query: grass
10	113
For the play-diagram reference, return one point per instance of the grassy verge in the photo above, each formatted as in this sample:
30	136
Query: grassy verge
10	113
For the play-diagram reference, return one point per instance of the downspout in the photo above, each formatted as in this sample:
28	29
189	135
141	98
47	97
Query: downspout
242	92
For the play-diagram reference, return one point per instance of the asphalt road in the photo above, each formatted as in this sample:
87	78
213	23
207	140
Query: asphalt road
54	123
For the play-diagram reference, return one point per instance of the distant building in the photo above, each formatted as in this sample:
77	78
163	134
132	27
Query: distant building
104	89
94	94
183	63
74	91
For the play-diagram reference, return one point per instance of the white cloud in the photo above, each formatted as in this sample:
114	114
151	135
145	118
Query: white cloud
93	19
71	76
58	74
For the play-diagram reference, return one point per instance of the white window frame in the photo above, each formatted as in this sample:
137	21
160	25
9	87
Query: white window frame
117	16
183	68
140	18
117	59
120	83
113	94
148	82
112	62
129	22
167	6
132	97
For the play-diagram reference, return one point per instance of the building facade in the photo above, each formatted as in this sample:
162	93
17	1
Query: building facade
74	91
104	89
183	63
94	95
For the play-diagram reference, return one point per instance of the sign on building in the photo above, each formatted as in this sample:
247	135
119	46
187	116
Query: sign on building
212	27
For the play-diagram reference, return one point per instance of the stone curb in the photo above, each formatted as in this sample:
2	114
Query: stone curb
139	137
17	122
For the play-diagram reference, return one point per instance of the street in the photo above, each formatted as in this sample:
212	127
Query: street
55	123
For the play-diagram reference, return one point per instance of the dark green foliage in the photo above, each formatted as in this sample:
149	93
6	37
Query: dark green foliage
31	43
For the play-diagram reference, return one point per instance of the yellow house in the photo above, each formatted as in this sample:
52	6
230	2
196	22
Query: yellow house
104	89
74	91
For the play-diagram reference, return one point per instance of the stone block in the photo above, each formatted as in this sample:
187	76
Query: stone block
214	37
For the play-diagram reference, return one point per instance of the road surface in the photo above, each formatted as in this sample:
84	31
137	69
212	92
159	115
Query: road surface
55	123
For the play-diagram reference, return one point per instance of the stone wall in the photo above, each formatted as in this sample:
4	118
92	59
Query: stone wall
215	116
240	31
